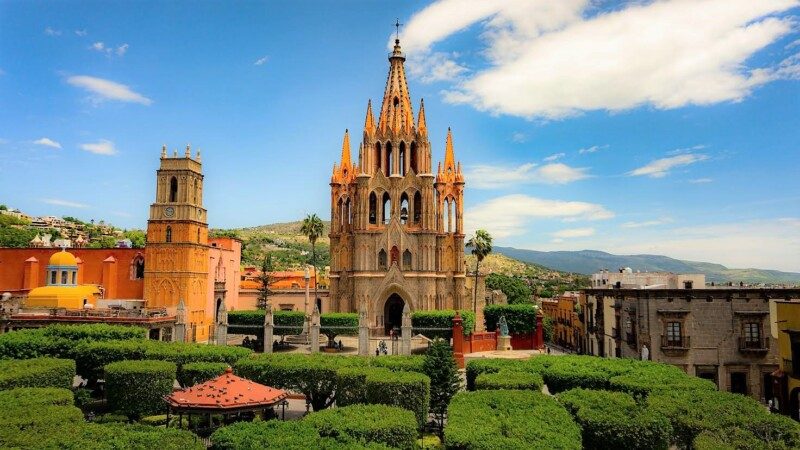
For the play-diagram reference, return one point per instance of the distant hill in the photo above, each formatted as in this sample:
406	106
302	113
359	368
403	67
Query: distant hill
590	261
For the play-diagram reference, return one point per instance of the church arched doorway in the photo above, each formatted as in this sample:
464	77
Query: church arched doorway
393	313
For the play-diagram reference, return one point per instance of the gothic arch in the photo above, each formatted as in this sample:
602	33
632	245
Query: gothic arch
404	211
402	159
388	167
373	208
173	190
137	267
413	158
386	207
417	208
378	158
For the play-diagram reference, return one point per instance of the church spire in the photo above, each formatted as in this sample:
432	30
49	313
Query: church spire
449	157
346	149
396	111
422	127
369	122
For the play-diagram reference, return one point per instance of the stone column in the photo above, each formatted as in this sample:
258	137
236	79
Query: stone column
405	332
180	323
222	324
314	330
363	331
269	324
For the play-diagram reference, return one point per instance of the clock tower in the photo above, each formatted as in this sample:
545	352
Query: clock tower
176	254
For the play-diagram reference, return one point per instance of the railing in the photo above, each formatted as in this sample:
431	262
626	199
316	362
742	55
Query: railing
673	343
110	312
753	345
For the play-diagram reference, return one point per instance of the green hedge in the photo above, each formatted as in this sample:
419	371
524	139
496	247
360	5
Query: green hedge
91	357
137	388
95	332
646	377
59	341
328	321
293	435
253	321
441	319
408	390
509	419
388	425
476	367
182	353
198	372
507	379
613	420
563	373
37	372
521	318
693	412
78	434
36	396
413	363
734	439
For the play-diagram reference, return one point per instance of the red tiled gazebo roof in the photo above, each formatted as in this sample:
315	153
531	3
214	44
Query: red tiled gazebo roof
226	392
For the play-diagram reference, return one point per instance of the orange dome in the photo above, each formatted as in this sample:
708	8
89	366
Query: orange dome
63	259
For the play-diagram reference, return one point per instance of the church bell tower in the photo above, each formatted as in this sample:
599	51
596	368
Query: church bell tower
176	254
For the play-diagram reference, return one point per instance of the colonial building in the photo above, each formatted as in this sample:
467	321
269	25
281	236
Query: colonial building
786	380
397	235
565	313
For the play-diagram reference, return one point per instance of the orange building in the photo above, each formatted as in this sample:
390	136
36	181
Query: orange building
565	312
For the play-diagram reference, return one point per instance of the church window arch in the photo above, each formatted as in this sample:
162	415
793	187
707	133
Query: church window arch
404	208
417	207
373	208
340	213
173	190
348	212
413	157
74	277
382	259
168	234
387	168
396	101
395	255
407	260
387	208
378	156
402	156
137	268
446	216
450	205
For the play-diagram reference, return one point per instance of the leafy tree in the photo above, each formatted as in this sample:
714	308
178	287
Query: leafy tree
138	238
266	280
313	228
547	328
103	242
15	237
440	366
3	208
481	245
515	288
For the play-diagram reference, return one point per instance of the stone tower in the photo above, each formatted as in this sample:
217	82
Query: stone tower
176	254
397	234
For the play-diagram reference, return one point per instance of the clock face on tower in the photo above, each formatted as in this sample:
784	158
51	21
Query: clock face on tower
169	211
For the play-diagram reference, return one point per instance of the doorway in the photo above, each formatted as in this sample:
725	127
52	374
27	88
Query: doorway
738	383
393	313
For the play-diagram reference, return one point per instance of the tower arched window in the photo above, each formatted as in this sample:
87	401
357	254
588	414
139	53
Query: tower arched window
198	235
417	207
413	158
340	213
373	208
74	277
382	259
168	234
387	208
402	158
404	208
378	156
173	189
52	277
446	216
348	213
387	168
407	260
450	218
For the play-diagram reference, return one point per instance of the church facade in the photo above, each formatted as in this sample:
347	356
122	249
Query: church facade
397	235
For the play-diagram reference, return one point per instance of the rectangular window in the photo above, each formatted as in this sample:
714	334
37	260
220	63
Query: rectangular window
674	333
63	277
74	277
53	277
752	332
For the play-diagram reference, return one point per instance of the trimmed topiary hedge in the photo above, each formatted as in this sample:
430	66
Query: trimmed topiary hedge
36	396
281	435
95	332
645	378
253	321
441	319
338	324
198	372
509	419
91	357
59	341
476	367
137	388
388	425
521	318
413	363
613	420
37	372
507	379
408	390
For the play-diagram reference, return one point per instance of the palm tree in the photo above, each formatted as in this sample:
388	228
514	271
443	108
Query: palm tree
481	245
313	228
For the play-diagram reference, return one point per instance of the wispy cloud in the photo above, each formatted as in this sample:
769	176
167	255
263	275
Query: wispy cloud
47	142
261	61
108	90
509	215
661	167
493	177
701	180
573	233
101	147
554	157
436	66
591	149
52	31
67	203
647	223
558	59
81	33
519	137
122	49
110	50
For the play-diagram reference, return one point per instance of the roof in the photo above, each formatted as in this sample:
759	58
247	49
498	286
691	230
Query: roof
225	392
63	259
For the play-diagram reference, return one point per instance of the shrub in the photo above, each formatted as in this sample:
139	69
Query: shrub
613	420
589	372
645	378
507	379
413	363
372	423
198	372
351	385
521	318
441	319
278	434
26	344
182	353
505	419
95	332
137	388
476	367
338	324
38	372
35	396
440	366
91	357
255	317
252	322
733	439
408	390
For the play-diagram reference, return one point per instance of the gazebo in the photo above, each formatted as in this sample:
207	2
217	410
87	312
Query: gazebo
226	394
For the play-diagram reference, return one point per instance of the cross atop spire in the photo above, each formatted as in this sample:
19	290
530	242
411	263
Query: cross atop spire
397	25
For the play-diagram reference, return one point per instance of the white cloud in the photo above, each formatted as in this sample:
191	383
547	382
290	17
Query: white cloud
101	147
437	66
67	203
701	180
573	233
519	137
99	46
556	59
661	167
108	90
52	32
261	61
509	215
493	177
109	50
122	49
646	223
554	157
47	142
591	149
81	32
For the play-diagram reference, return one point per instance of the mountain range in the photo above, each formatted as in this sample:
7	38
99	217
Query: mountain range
591	261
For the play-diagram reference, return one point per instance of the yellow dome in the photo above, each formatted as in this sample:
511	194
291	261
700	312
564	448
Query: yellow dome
63	258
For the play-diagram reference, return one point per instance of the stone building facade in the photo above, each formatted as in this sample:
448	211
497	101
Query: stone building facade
727	335
397	234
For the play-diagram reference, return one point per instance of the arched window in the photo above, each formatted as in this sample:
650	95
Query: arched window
137	268
382	260
404	208
406	260
348	213
387	208
373	208
173	189
413	157
387	168
403	158
340	213
64	275
377	163
168	237
450	207
395	254
446	216
417	207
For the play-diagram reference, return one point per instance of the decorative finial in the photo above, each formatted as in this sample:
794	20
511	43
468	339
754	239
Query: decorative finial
164	151
175	153
188	152
198	157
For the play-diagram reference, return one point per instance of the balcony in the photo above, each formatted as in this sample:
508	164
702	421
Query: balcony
681	343
753	345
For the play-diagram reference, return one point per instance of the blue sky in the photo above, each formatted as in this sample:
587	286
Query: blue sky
665	127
